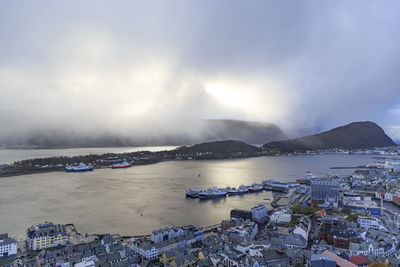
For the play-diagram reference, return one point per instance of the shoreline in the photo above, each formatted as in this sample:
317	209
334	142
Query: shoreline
160	160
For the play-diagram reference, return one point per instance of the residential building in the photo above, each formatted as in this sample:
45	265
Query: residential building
359	260
166	233
46	235
334	231
152	251
371	222
341	262
8	246
320	260
241	214
303	228
259	214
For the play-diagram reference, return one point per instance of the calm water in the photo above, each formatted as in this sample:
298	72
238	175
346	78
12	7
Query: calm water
11	155
143	198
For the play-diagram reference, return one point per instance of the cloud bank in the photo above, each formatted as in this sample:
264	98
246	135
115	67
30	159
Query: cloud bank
149	67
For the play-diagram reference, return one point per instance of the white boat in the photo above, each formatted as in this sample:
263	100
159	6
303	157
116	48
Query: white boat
80	168
309	176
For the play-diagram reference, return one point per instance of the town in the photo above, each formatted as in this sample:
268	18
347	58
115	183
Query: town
322	221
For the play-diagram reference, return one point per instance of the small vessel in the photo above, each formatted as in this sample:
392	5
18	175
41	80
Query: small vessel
80	168
212	193
121	165
255	188
309	176
192	193
241	190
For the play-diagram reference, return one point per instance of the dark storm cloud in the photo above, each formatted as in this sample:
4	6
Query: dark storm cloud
165	65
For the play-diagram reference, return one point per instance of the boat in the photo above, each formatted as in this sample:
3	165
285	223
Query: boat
121	165
309	176
241	190
212	193
193	193
306	180
80	168
255	188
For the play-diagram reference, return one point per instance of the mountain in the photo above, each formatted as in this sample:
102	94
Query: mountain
251	132
356	135
219	147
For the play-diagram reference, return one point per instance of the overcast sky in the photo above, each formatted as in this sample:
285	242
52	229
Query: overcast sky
151	66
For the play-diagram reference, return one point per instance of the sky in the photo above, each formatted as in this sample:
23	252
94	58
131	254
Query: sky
151	67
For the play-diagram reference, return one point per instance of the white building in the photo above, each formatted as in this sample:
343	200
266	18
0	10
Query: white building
303	228
8	246
165	234
152	250
280	217
388	197
371	222
259	213
46	235
89	263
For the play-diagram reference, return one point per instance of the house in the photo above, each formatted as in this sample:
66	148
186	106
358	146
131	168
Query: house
303	228
359	260
272	257
320	260
339	260
298	257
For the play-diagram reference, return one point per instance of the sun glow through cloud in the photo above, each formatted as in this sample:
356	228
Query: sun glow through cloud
229	95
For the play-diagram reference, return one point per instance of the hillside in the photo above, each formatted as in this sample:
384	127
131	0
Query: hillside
251	132
356	135
219	148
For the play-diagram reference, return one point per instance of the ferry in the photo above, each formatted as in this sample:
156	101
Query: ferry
81	168
255	188
121	165
193	193
212	193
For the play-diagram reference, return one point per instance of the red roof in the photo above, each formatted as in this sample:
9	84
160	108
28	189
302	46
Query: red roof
359	259
339	261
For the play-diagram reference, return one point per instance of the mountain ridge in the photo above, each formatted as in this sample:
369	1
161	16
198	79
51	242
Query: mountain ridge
355	135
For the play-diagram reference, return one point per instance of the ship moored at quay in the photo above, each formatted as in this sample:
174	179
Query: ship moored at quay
121	165
80	168
215	192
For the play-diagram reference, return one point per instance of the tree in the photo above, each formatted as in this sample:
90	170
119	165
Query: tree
378	264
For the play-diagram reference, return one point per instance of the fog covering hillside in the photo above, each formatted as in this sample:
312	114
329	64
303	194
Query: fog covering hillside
207	130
